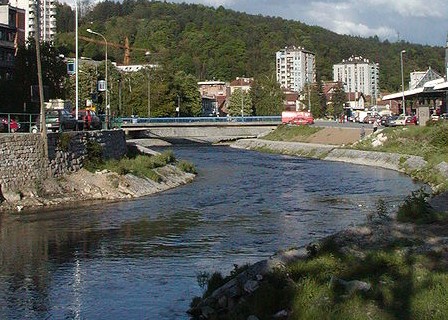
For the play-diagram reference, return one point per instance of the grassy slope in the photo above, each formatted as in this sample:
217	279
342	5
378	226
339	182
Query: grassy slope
429	142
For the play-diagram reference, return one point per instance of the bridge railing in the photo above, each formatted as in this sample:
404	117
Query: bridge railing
135	120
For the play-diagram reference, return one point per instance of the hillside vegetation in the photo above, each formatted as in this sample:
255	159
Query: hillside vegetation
222	44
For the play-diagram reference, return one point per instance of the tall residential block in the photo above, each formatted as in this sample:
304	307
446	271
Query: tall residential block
12	24
358	75
46	10
295	67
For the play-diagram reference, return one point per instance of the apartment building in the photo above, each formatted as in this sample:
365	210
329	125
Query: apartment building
358	75
295	67
12	34
46	10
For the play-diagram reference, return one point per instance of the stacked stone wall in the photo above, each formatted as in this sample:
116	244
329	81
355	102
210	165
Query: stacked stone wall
22	161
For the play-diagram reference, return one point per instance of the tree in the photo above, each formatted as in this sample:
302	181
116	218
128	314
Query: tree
240	103
338	100
314	99
267	96
65	18
186	91
54	73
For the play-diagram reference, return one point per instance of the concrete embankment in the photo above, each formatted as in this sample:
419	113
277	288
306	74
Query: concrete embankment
385	160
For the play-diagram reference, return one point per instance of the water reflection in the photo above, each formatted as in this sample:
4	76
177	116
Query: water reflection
139	259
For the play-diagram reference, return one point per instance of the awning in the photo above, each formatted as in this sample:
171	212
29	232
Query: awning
441	86
406	93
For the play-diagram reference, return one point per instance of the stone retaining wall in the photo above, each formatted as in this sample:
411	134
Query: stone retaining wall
22	161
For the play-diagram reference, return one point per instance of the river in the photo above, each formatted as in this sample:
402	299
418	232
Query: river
140	259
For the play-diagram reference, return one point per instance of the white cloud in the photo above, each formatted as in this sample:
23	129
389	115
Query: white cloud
408	8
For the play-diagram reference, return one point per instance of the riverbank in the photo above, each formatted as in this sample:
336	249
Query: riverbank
83	187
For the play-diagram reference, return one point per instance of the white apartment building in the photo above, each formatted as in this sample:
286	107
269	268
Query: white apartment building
295	67
358	75
47	12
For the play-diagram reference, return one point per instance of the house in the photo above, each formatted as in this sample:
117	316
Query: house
356	100
214	95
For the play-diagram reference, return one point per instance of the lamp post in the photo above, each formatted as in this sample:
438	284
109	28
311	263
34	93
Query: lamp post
147	53
402	82
107	100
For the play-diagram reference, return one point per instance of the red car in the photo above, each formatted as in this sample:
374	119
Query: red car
13	125
410	120
299	121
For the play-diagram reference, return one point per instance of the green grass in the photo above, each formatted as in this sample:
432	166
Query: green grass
138	165
404	286
292	133
429	142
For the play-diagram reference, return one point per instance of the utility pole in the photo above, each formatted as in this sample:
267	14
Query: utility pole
43	124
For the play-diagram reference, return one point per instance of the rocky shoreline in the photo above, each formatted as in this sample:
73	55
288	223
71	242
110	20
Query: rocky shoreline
84	187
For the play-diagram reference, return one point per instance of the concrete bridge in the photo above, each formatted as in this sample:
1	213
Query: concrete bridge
208	129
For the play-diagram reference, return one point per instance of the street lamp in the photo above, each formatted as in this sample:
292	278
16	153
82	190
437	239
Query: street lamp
402	82
147	53
107	100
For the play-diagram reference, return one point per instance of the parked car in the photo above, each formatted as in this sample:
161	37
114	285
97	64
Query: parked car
90	119
57	120
411	120
388	122
435	117
299	121
444	116
9	126
399	121
370	119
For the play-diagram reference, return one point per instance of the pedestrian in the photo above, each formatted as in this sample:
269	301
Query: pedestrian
362	134
375	126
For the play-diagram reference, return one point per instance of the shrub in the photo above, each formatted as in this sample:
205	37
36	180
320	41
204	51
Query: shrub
94	157
186	166
416	209
64	141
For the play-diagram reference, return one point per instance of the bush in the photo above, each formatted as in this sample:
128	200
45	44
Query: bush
186	166
416	209
64	141
94	157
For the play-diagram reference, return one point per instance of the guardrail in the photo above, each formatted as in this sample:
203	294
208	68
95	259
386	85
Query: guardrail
137	120
27	122
17	122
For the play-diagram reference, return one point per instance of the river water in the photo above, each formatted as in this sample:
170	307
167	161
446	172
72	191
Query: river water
140	259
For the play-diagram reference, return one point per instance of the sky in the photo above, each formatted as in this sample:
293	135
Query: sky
416	21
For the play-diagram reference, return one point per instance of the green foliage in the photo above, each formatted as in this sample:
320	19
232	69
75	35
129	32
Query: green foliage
64	140
403	286
94	156
417	209
215	281
240	104
429	142
286	132
381	213
54	72
267	96
186	166
337	102
140	165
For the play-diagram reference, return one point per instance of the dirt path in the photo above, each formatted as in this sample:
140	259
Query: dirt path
337	136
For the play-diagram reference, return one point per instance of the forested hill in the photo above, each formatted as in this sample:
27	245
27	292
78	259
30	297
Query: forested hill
223	44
